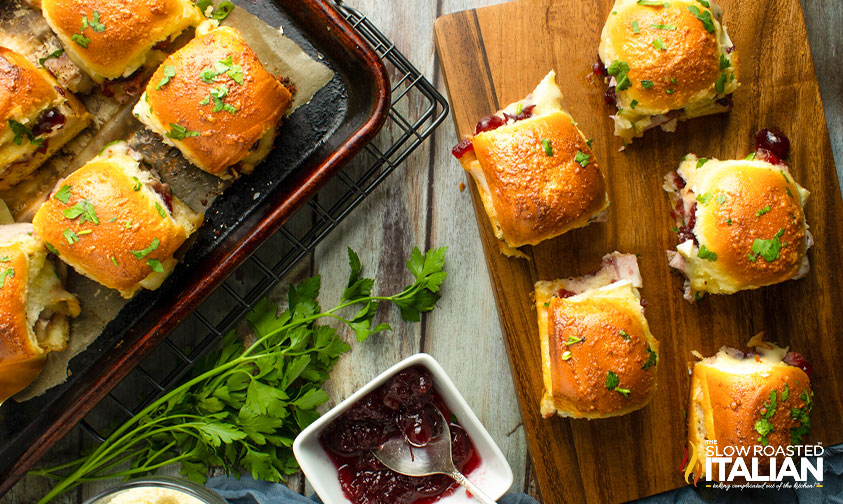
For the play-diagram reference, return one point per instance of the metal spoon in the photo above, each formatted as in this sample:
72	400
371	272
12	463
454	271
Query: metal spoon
398	454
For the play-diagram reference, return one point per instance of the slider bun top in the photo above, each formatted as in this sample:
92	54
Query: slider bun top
25	92
739	202
729	395
578	385
225	138
691	56
132	29
131	217
528	195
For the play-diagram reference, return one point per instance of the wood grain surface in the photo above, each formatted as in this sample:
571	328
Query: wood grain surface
464	333
496	55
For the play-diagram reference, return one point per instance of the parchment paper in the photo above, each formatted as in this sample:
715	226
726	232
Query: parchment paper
26	32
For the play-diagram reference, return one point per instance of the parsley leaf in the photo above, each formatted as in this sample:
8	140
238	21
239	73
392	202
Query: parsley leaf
55	54
70	236
647	84
768	249
63	194
140	254
720	85
706	254
582	158
704	198
663	26
635	27
21	131
633	104
652	359
724	62
83	209
612	380
8	272
624	334
619	70
223	10
658	43
180	132
169	72
242	406
704	17
80	40
701	162
762	211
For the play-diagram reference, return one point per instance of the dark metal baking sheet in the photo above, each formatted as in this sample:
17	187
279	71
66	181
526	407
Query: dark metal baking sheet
313	143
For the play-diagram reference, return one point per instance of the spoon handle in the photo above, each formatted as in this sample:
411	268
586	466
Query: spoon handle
472	488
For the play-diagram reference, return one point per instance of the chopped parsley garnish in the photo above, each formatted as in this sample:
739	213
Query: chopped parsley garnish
669	91
765	428
94	23
161	210
21	131
114	260
652	359
218	96
169	72
706	254
701	161
180	132
8	272
635	27
70	236
54	54
768	249
207	75
663	26
729	221
619	70
573	340
548	148
228	67
654	3
223	10
658	43
770	406
588	142
140	254
127	224
612	382
5	259
762	211
63	194
720	85
633	104
704	17
750	157
788	192
673	80
721	198
705	3
155	265
85	232
80	40
52	249
137	184
83	209
704	198
582	158
647	84
785	393
566	355
724	62
624	334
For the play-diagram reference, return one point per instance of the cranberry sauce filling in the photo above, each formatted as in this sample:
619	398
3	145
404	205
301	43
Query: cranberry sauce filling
404	405
610	97
489	123
598	68
49	121
797	360
565	293
164	191
772	145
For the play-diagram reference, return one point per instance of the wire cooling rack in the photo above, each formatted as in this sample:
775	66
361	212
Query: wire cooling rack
417	109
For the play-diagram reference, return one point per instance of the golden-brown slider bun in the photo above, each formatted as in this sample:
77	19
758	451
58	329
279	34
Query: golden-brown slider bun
537	176
34	308
110	39
109	222
679	61
225	133
749	217
599	358
742	399
37	117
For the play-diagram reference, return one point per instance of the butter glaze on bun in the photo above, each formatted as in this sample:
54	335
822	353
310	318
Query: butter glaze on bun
132	242
34	308
33	103
221	98
599	358
740	399
748	214
537	176
120	35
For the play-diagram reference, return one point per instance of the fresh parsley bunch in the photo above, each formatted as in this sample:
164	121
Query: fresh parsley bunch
243	406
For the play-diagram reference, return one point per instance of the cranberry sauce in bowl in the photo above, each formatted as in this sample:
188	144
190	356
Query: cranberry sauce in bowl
403	405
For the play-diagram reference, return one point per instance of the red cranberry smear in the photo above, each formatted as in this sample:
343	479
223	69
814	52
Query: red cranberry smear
489	123
404	404
610	97
797	360
773	141
565	293
462	148
526	113
598	68
51	120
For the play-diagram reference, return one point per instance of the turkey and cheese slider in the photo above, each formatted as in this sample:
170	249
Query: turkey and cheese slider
35	309
215	102
116	223
112	39
37	117
740	223
666	62
535	170
761	397
599	358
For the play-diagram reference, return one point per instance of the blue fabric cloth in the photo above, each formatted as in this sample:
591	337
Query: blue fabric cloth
248	491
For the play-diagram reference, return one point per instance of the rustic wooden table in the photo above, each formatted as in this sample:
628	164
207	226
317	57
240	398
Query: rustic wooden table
422	205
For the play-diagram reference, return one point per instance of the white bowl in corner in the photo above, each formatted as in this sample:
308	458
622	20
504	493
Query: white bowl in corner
493	475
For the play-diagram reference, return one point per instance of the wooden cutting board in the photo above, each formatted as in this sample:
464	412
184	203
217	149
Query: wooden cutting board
496	55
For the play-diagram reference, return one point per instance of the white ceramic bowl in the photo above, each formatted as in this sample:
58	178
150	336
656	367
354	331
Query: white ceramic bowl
493	476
